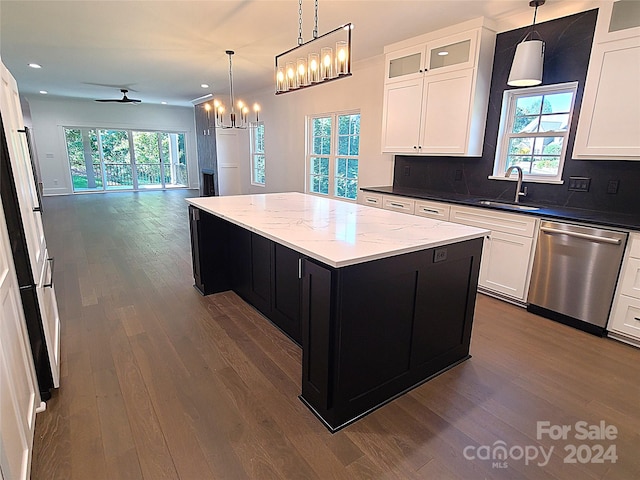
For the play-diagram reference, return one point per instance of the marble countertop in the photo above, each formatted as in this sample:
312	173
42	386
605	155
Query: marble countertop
334	232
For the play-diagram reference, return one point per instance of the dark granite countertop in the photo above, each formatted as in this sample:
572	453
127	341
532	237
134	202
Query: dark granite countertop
609	219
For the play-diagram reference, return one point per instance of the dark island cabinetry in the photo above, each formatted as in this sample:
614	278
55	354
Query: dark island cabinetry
373	330
264	273
370	329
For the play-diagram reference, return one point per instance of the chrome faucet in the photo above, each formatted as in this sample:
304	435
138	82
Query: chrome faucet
519	185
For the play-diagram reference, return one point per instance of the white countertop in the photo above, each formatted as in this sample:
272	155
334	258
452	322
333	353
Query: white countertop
334	232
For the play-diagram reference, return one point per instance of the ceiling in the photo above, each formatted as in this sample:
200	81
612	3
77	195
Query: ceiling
162	51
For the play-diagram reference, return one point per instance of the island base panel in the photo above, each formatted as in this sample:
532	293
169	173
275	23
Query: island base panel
333	429
374	330
209	251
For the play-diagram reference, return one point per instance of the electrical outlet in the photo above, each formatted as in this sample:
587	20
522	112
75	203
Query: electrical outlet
579	184
612	186
440	255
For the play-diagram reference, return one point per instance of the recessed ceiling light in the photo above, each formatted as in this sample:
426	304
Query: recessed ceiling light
35	65
204	85
443	53
163	103
43	92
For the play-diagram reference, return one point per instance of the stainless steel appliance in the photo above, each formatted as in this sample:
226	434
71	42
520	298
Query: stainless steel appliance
574	275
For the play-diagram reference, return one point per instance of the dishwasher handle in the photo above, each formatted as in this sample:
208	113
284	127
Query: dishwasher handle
586	236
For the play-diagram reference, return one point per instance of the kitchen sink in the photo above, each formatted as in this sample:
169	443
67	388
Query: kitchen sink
515	206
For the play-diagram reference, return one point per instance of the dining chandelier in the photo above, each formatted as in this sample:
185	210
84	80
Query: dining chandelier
241	121
322	59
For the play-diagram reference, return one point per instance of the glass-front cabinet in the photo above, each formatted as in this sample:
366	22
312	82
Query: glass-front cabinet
452	53
405	64
430	104
444	55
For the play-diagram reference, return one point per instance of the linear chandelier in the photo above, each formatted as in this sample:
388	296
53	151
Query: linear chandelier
219	108
314	62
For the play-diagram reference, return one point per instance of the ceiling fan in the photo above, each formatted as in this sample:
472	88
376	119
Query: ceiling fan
124	98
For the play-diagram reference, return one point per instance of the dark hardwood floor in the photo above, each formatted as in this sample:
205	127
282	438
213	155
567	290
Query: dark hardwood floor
159	382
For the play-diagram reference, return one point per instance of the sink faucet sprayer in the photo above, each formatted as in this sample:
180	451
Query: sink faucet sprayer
519	185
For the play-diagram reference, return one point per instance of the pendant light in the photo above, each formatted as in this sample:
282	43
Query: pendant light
219	109
526	70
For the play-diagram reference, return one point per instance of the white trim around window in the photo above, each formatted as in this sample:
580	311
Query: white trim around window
332	154
258	158
534	132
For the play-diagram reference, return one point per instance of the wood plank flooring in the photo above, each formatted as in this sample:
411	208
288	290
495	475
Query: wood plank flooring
159	382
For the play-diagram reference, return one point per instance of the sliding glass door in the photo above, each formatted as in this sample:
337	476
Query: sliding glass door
115	153
101	159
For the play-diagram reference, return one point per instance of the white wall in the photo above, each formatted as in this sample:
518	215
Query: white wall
50	114
285	116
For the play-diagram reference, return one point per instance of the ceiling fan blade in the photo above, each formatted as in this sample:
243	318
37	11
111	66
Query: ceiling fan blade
124	98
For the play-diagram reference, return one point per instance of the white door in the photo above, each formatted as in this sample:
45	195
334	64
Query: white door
446	111
41	265
505	264
22	170
401	116
609	123
18	393
228	155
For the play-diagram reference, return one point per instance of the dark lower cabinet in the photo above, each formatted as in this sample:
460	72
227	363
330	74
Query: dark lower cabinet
374	330
286	290
369	332
264	273
209	251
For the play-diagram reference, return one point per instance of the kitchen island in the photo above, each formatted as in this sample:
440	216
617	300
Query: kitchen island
379	301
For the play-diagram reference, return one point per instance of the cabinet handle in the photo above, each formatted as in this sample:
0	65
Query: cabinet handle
415	147
397	205
36	209
419	146
52	263
586	236
300	268
636	318
372	200
429	210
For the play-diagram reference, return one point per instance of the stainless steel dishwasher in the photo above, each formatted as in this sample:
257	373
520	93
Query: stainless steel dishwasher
574	275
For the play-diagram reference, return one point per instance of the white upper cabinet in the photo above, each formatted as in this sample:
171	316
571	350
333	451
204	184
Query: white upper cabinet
609	123
437	91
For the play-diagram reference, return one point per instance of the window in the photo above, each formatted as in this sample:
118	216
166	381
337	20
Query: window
534	127
332	158
101	159
257	153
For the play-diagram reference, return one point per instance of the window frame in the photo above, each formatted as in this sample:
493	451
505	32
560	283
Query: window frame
507	117
333	155
136	185
253	153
